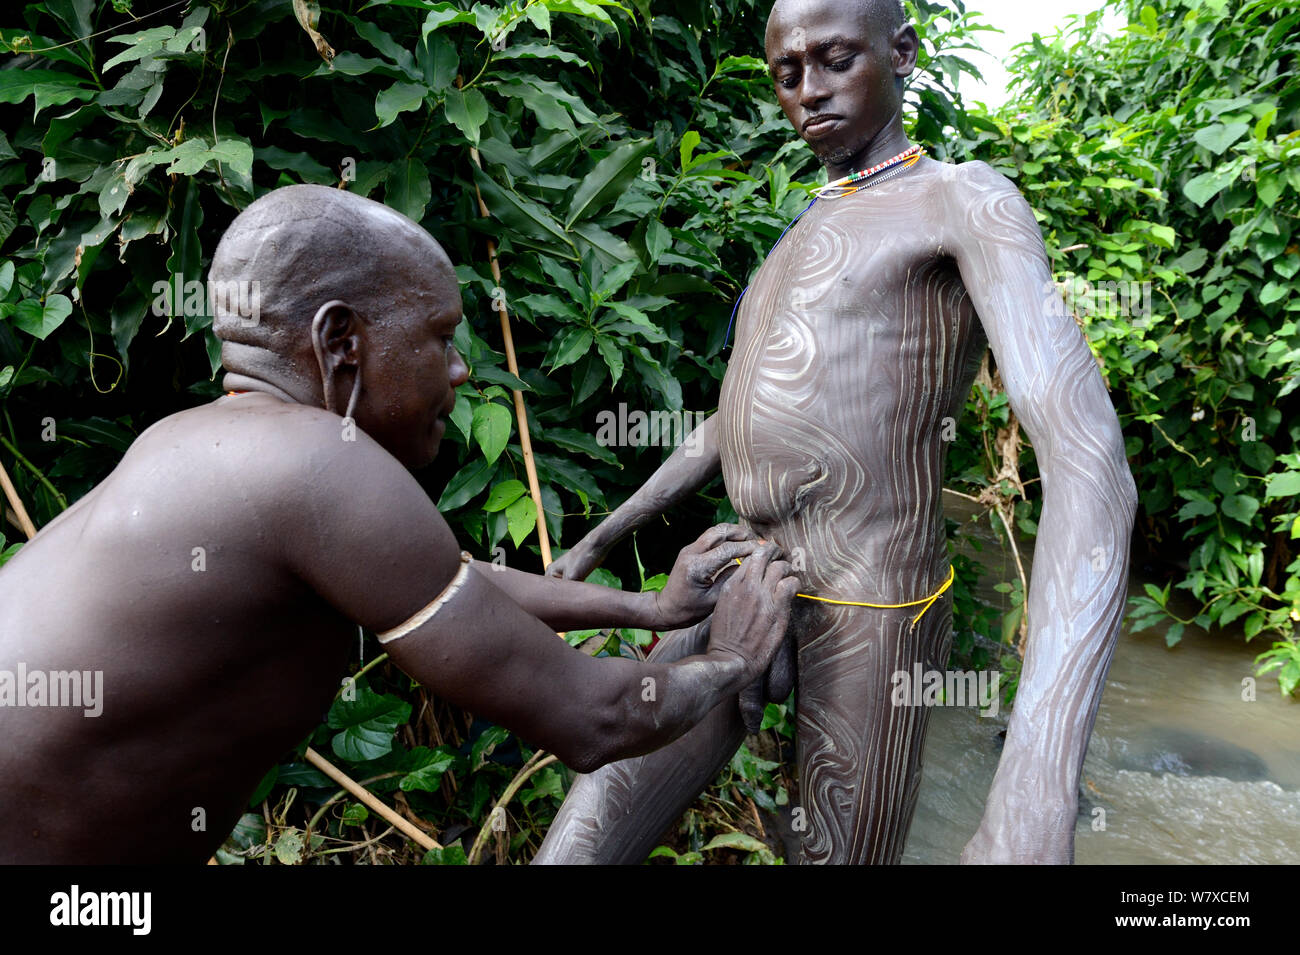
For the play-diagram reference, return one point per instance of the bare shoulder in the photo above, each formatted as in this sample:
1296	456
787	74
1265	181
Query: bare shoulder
273	457
979	205
316	495
979	173
973	178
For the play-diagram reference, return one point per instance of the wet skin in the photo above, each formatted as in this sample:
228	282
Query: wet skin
217	664
857	341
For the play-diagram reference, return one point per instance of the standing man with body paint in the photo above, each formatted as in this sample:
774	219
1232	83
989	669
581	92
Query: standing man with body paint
859	338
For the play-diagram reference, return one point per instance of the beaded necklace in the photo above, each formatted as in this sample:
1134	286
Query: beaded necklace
846	187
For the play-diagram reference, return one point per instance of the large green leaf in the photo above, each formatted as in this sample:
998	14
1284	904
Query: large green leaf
440	15
235	153
571	346
427	775
1207	185
407	188
468	483
303	164
581	441
1217	137
7	224
139	45
607	181
186	261
41	319
468	110
540	51
367	723
523	217
1286	484
49	85
521	518
1240	507
504	494
397	99
491	428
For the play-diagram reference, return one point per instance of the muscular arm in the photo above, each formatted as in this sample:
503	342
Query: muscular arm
688	597
572	604
690	467
381	556
1076	596
485	653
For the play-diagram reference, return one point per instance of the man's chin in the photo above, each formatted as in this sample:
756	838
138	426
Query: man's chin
424	457
833	155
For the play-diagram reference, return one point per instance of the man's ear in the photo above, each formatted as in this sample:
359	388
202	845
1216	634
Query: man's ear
905	45
337	338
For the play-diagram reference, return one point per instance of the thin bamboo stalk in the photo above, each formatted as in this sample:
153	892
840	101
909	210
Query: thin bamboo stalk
525	439
11	493
368	799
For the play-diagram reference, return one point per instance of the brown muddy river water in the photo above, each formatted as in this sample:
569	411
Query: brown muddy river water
1181	768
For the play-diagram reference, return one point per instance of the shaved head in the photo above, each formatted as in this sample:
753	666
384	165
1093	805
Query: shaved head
884	16
299	247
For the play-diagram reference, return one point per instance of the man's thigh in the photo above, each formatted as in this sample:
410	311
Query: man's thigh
859	753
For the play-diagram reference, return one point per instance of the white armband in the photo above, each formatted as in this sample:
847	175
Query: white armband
424	616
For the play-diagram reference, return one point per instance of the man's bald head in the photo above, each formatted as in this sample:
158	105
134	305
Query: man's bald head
880	16
304	246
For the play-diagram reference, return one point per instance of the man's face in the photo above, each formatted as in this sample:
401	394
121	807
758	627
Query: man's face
411	368
834	70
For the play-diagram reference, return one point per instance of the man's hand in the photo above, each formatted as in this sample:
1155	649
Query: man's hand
688	469
701	570
750	619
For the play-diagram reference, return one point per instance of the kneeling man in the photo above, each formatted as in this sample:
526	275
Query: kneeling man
216	578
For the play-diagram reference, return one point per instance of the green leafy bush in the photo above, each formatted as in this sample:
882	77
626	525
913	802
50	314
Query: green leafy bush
1162	166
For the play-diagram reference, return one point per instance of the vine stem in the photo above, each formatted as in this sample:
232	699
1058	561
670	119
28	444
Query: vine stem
316	817
1024	584
364	670
354	846
1015	552
39	474
91	36
521	777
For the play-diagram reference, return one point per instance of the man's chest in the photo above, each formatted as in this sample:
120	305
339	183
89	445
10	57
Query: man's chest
850	299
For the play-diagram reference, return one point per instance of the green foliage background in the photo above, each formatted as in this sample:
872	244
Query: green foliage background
1167	155
637	168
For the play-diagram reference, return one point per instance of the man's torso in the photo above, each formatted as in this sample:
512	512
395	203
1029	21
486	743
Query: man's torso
855	349
215	658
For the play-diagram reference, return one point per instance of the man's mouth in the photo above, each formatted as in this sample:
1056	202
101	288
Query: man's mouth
819	125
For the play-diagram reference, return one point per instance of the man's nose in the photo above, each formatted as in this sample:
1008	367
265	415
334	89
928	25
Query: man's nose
457	370
814	91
